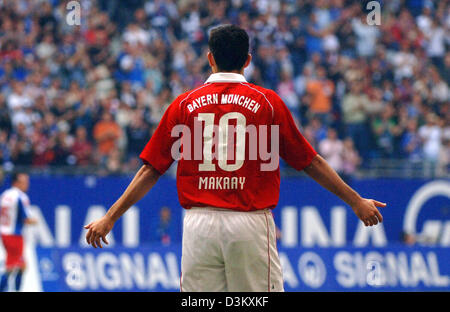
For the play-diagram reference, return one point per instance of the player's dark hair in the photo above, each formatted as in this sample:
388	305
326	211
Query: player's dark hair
229	44
15	176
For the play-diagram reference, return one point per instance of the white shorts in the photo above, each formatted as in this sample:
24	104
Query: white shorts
226	250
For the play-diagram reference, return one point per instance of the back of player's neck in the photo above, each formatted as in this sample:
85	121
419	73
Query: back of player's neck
229	72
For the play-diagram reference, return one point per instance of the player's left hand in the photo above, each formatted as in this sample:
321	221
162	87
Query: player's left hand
367	212
98	230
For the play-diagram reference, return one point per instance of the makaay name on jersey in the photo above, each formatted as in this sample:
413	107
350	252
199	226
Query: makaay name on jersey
221	183
235	99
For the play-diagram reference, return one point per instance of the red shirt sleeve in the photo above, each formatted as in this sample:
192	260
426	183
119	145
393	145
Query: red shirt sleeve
294	148
158	151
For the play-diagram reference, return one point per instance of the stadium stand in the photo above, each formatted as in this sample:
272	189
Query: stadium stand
375	100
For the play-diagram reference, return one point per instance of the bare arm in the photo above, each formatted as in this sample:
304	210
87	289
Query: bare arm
142	182
364	208
30	221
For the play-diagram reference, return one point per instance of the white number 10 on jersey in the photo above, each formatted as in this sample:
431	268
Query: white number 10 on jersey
223	140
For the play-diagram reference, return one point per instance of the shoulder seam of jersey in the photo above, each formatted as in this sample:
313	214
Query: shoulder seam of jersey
195	90
260	93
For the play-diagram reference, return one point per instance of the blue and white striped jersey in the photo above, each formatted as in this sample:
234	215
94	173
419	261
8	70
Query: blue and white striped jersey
14	209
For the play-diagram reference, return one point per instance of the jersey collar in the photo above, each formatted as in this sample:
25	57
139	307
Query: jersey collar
226	77
17	189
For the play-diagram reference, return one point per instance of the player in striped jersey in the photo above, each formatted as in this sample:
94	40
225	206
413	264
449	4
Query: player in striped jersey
14	214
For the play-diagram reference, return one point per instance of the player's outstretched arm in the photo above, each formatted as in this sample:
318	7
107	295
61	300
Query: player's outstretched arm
365	209
142	182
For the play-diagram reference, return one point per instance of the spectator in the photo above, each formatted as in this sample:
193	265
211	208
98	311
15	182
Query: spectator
43	154
61	146
355	117
138	134
315	131
286	91
113	162
18	100
332	150
367	36
386	130
321	91
82	148
5	119
46	48
412	143
136	36
435	46
445	70
22	151
439	91
404	62
444	157
107	134
425	20
350	160
5	153
431	135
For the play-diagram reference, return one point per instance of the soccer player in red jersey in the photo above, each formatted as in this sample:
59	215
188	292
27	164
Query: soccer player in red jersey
227	136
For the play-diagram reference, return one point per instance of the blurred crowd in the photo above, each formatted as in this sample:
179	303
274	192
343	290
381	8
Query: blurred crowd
90	95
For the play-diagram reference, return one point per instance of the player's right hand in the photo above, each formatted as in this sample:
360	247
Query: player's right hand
98	230
367	212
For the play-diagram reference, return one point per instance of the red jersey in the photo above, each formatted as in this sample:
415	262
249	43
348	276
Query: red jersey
230	134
